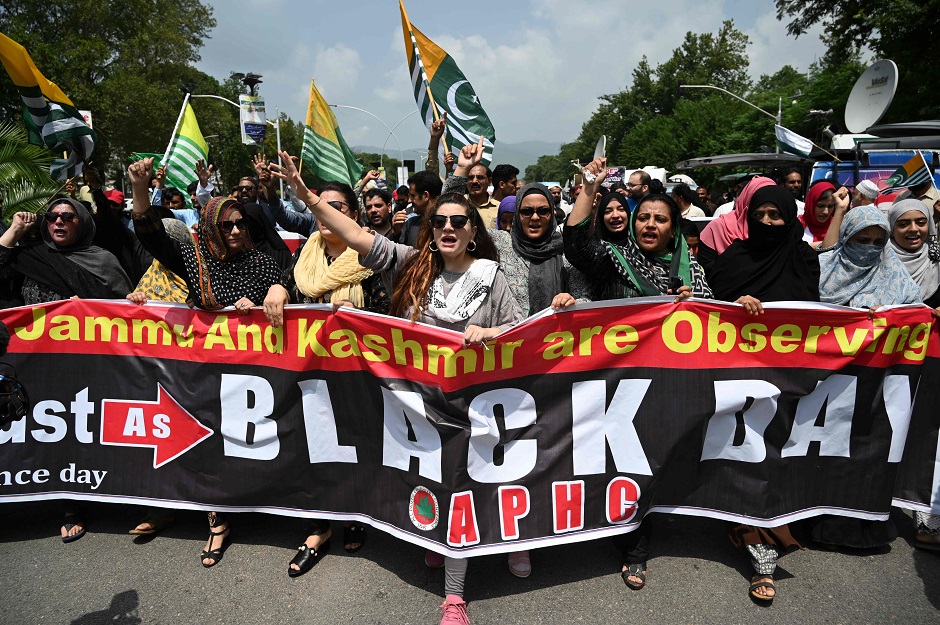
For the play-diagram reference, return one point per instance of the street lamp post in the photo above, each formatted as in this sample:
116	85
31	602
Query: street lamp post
276	124
776	117
401	153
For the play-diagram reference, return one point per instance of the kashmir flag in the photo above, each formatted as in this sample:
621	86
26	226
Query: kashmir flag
325	151
789	141
438	82
186	147
51	118
912	173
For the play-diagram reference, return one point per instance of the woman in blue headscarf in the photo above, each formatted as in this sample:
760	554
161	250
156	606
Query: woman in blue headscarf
862	271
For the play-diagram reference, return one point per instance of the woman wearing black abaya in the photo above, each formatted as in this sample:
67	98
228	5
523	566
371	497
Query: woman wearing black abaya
772	264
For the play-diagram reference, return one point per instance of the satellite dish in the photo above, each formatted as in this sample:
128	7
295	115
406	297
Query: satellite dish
871	96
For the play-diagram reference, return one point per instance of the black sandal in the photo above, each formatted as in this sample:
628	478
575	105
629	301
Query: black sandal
306	558
634	570
215	555
768	582
73	520
355	533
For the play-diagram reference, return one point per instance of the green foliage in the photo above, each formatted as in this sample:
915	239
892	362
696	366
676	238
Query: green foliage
901	31
24	172
371	160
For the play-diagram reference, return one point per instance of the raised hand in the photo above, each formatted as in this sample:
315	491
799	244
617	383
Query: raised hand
438	128
289	174
139	172
204	173
598	167
160	175
470	155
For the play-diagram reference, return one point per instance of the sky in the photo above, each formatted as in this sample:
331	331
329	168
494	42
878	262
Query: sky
538	66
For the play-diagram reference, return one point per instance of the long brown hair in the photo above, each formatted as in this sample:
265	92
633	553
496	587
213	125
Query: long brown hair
419	272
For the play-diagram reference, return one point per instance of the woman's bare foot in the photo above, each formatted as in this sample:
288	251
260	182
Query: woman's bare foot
216	541
313	542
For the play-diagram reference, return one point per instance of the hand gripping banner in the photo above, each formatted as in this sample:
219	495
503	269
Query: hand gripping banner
571	426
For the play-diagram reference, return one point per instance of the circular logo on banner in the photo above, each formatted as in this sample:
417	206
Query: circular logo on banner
423	510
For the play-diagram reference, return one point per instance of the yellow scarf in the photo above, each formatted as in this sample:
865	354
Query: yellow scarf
161	284
314	277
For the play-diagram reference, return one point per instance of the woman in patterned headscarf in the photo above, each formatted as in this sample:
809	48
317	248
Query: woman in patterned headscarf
223	269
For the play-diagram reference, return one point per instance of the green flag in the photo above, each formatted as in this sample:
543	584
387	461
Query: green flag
438	82
911	174
789	141
186	147
325	151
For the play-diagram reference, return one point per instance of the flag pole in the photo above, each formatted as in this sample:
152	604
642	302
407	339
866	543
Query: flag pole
427	86
176	127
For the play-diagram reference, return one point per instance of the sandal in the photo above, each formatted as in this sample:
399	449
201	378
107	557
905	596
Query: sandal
215	555
306	557
157	524
73	520
930	542
354	534
762	581
634	570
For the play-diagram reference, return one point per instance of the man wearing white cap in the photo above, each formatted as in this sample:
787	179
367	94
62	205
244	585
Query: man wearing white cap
865	193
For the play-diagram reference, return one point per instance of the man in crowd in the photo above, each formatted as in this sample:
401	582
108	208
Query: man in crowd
555	190
793	181
504	182
638	185
865	194
378	203
478	193
705	195
926	193
425	188
247	190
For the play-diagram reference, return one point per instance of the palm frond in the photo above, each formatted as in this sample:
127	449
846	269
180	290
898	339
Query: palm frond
21	161
25	195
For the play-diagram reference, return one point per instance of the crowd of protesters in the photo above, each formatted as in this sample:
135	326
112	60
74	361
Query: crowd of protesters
477	252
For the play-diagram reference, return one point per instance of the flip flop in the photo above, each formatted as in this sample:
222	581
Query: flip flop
634	570
352	534
73	520
156	525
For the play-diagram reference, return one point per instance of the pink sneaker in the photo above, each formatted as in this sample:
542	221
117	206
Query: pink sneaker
454	611
433	559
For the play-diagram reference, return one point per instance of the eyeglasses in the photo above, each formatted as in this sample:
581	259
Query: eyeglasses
66	217
228	226
630	185
246	187
543	211
457	221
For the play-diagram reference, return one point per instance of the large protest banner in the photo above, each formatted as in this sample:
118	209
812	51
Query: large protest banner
571	426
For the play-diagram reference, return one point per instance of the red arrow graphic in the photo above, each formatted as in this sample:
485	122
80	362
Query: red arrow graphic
163	424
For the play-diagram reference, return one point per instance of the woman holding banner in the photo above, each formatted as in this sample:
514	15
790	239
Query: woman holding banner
450	279
325	270
771	263
223	269
650	258
59	263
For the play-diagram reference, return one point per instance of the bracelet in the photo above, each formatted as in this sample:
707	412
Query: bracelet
315	203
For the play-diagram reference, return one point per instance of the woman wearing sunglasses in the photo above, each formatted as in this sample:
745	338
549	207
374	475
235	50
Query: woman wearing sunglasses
223	269
450	279
62	265
325	270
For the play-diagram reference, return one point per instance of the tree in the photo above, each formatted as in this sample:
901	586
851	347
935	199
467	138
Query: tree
892	30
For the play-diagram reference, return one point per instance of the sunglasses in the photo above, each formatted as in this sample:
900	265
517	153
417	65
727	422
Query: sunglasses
228	226
457	221
340	206
246	188
53	217
543	211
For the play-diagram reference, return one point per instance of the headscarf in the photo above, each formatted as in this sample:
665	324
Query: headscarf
158	282
81	268
773	263
720	233
808	218
860	275
506	205
547	277
651	273
924	264
600	228
342	278
218	277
